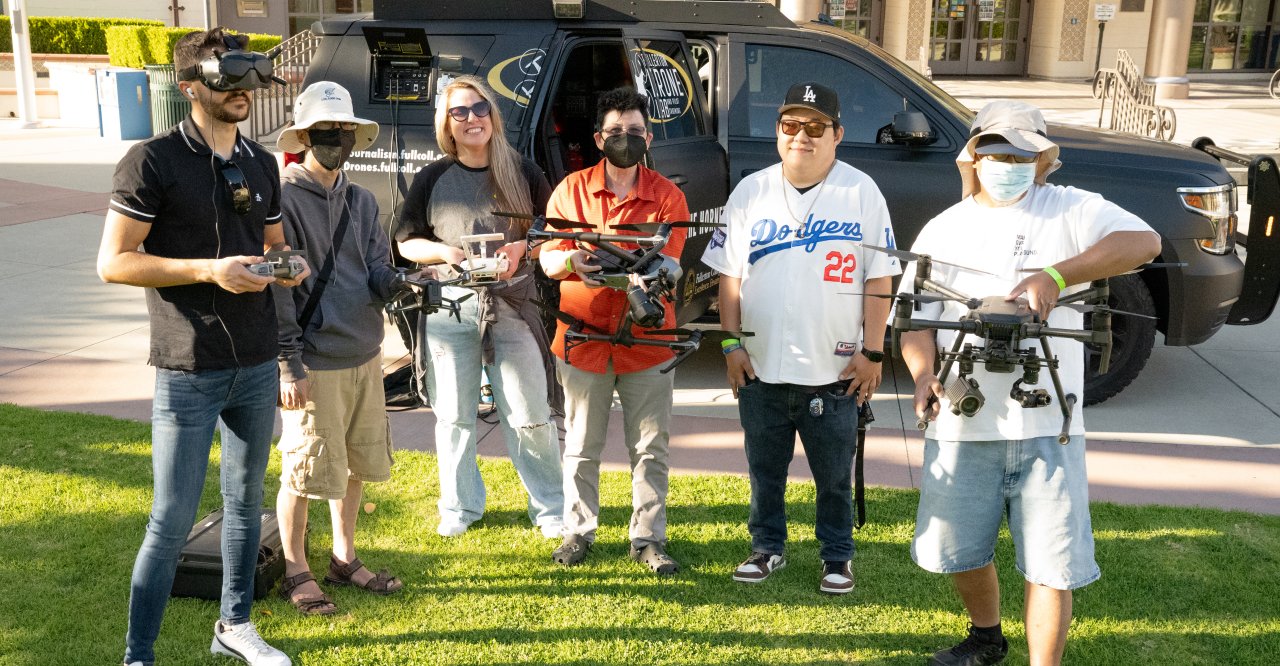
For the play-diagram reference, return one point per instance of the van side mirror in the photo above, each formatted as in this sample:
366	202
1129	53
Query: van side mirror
911	128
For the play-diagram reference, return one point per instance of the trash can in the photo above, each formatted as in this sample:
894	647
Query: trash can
168	106
124	104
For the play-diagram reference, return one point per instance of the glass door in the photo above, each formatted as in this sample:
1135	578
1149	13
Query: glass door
979	37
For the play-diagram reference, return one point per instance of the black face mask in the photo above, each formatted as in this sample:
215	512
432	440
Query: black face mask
624	150
332	147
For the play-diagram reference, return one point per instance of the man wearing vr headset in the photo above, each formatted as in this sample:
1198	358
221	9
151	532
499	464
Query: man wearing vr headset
796	228
190	210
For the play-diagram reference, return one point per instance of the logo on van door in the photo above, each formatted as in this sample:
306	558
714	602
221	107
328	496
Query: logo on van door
518	83
664	82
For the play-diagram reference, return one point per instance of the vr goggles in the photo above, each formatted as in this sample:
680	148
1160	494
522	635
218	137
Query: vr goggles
234	69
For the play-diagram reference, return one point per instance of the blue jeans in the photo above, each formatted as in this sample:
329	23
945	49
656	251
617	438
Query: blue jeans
187	405
772	415
968	488
519	386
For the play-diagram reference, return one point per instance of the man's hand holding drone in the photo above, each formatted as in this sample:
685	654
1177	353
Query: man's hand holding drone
1041	291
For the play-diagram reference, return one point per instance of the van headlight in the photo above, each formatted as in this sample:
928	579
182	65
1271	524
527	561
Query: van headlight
1218	204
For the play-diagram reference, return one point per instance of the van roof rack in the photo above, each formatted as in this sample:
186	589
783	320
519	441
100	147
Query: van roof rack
720	12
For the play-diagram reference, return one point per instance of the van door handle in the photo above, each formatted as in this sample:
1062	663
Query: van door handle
678	179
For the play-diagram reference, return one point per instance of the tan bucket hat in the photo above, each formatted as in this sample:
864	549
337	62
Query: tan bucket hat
324	101
1021	130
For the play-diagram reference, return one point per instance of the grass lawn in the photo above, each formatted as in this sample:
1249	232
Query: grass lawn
1179	586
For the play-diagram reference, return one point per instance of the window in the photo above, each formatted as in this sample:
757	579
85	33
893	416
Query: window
1235	35
867	104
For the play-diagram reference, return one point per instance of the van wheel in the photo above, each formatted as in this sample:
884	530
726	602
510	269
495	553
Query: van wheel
1132	339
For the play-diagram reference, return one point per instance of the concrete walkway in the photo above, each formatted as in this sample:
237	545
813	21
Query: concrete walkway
1200	426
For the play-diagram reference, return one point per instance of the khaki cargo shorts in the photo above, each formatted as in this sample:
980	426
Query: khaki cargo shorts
342	434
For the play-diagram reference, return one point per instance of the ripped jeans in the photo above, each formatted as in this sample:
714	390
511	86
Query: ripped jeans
520	394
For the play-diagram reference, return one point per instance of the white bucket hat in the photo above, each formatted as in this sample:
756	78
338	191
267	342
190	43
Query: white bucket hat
324	101
1020	129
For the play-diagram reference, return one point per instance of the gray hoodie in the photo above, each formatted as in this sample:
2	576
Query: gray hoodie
346	329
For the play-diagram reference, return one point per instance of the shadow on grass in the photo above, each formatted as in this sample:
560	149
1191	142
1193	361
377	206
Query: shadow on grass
1179	586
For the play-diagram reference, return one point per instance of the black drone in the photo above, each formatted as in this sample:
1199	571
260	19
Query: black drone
647	276
416	292
1002	325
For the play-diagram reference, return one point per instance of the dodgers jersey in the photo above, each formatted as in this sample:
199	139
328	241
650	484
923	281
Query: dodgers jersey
800	262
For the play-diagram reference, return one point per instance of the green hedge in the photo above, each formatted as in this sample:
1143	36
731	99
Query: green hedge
135	46
69	35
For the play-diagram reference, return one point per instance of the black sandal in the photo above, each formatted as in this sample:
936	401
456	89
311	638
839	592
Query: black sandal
382	583
655	557
309	604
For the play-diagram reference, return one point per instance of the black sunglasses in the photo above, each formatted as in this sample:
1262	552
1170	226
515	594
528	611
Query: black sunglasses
238	185
813	128
460	113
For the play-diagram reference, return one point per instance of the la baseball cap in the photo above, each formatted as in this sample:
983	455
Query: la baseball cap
815	97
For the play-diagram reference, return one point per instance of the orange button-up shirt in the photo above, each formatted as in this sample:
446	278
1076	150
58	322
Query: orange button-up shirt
584	197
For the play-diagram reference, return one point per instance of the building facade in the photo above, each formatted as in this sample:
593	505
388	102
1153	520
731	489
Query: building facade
1170	40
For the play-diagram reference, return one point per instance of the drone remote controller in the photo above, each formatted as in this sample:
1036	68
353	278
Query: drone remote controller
283	264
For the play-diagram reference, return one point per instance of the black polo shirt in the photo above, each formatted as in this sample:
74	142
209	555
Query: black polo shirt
177	185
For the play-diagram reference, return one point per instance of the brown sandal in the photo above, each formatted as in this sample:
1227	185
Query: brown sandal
309	604
382	583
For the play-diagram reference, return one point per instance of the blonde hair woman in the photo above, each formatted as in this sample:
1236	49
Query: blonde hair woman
500	329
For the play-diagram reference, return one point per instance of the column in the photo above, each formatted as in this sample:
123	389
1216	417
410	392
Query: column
1168	43
801	11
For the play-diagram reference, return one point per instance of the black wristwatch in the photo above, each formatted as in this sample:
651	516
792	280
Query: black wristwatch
872	355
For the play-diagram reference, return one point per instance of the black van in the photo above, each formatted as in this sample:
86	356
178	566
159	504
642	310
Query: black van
715	72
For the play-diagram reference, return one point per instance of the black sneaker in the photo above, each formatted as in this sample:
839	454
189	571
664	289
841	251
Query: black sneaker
573	550
972	651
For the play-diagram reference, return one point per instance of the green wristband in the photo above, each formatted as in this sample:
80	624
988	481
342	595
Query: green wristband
1057	277
568	263
729	341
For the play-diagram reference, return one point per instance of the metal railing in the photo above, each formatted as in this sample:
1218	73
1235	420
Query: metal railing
273	107
1133	106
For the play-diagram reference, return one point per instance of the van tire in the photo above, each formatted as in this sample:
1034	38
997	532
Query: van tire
1132	340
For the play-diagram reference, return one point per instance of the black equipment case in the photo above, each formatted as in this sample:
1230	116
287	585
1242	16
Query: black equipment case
200	562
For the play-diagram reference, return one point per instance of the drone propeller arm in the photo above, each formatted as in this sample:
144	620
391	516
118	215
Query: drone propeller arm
930	285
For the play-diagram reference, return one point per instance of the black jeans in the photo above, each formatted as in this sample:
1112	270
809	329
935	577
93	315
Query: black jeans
772	415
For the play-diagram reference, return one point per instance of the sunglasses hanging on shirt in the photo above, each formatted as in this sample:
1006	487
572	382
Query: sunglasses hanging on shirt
237	186
234	69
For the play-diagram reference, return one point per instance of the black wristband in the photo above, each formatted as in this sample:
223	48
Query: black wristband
873	356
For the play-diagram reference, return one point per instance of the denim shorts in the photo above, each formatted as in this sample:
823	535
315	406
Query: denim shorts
969	487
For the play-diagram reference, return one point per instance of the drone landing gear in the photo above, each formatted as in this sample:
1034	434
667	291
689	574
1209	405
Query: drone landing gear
966	399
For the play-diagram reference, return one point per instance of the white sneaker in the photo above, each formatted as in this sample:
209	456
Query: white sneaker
243	642
451	527
551	530
758	567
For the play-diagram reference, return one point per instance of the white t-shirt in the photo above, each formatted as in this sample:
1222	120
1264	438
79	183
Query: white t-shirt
1050	224
799	262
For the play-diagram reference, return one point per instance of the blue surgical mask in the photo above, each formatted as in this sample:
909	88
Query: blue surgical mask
1005	182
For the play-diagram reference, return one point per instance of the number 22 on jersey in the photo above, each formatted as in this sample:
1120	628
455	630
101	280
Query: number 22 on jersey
840	267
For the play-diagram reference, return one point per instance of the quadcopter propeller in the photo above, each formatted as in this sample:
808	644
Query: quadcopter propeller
1139	269
1087	308
650	227
912	256
713	334
919	298
555	222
